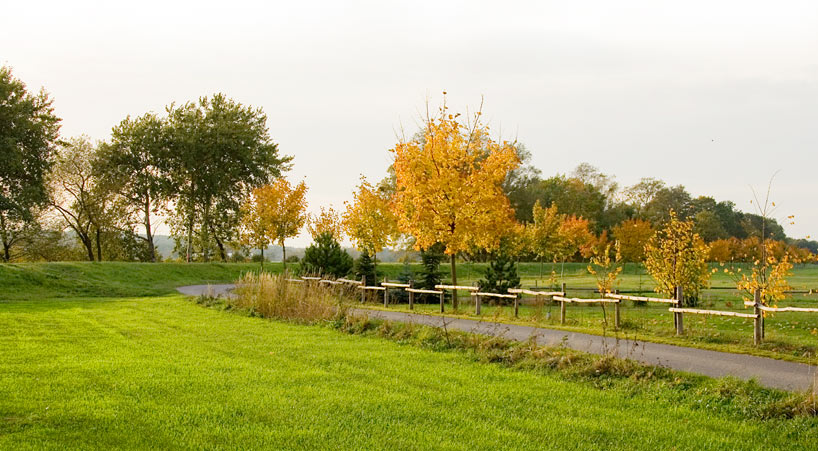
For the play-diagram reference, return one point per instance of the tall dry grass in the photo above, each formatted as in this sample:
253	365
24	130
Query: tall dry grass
272	296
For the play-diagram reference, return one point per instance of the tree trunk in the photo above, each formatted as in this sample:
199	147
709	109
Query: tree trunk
454	282
190	225
262	257
99	246
6	243
206	231
6	252
86	241
148	231
219	243
284	256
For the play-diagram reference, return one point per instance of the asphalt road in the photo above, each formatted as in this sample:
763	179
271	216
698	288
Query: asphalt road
768	372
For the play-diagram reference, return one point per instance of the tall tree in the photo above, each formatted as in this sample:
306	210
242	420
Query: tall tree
449	186
369	221
134	165
85	206
274	213
29	132
219	150
326	221
632	236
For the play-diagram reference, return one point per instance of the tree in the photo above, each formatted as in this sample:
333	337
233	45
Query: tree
430	275
642	193
327	221
274	213
449	186
543	234
522	185
365	267
86	206
326	257
29	132
369	221
677	256
133	165
674	198
708	226
575	237
500	275
218	151
632	236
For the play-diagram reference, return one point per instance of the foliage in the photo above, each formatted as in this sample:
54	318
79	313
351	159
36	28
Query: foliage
325	257
632	236
29	132
328	220
544	233
605	269
368	219
575	237
768	275
449	186
274	213
500	275
132	166
272	296
430	274
677	256
218	151
365	267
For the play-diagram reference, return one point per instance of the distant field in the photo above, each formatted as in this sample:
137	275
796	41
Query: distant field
163	372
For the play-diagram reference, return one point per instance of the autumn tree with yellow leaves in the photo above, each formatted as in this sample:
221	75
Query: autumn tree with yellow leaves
677	256
272	214
449	186
369	220
326	221
632	236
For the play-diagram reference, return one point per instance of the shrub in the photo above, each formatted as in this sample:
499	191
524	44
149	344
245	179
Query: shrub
500	275
365	267
326	257
272	296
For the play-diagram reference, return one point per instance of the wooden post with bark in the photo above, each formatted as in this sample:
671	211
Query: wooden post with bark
477	302
758	325
385	294
442	300
363	292
680	330
411	295
562	305
617	313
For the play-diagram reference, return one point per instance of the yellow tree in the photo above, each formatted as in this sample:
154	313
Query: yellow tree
576	236
449	186
326	221
369	221
274	213
676	256
543	234
632	236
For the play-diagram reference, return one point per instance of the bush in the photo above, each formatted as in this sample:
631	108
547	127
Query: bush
326	257
500	275
430	274
292	259
365	267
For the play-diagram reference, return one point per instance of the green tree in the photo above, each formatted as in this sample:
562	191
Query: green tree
365	267
219	150
29	132
430	274
326	257
134	165
500	275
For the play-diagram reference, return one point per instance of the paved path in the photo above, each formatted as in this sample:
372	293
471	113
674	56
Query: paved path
768	372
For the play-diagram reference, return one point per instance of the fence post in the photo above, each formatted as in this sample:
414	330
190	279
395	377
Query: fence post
757	321
363	292
385	294
477	302
616	312
442	300
562	305
680	330
517	305
411	295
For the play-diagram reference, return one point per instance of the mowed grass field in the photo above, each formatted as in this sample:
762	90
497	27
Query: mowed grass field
789	335
105	356
163	372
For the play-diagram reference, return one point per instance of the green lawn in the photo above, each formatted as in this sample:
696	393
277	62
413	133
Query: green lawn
162	372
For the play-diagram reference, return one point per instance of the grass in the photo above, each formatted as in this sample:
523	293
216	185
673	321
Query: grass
162	372
111	279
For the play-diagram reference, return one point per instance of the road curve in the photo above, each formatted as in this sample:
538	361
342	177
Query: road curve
768	372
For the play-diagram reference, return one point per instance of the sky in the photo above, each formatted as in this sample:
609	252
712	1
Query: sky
715	95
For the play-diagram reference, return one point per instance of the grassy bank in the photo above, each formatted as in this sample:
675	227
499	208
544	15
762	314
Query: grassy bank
112	279
164	372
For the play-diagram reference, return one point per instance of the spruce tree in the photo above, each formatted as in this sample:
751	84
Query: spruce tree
500	275
430	274
325	257
365	267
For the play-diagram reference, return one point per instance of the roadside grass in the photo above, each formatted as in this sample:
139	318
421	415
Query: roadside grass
162	372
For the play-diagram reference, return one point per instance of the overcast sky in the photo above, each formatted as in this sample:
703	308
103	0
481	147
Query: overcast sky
713	95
